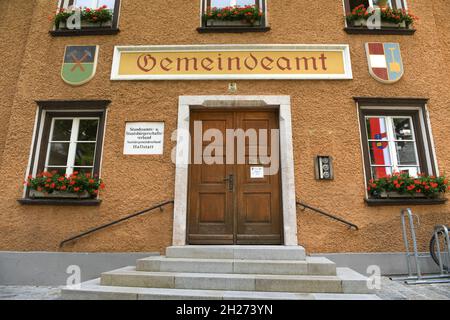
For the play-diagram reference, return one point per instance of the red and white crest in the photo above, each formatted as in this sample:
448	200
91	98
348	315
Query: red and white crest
385	61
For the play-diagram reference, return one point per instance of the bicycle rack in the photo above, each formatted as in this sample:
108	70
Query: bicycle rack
419	278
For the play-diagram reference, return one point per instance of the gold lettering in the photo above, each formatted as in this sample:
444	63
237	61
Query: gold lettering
305	63
208	65
287	63
268	65
146	62
187	63
166	66
323	58
253	60
230	63
219	61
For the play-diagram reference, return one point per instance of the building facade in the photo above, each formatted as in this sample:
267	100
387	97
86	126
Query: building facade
298	67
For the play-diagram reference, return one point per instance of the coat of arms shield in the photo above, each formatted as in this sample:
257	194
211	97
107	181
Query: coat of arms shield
79	65
385	61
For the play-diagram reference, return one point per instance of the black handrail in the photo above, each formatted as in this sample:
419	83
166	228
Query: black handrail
160	206
305	206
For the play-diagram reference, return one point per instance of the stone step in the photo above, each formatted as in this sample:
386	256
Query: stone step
92	290
311	266
346	281
237	252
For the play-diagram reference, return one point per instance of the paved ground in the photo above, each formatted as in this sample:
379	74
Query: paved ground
390	290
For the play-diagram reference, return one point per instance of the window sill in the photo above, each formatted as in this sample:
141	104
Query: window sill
404	201
60	202
232	29
84	32
395	31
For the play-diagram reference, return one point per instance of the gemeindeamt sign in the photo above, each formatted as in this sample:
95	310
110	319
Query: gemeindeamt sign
201	62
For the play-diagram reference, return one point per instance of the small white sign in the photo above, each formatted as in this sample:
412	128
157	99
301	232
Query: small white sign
257	172
144	138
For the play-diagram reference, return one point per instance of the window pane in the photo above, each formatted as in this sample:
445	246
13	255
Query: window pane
85	154
60	171
413	171
381	172
88	130
83	170
86	3
379	153
58	154
378	3
108	3
402	128
376	128
355	3
227	3
406	153
62	130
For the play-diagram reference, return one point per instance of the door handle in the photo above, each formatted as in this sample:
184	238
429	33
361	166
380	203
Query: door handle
230	180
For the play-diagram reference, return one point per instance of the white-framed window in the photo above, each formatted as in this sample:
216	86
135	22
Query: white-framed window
231	3
72	144
93	4
392	145
207	5
394	4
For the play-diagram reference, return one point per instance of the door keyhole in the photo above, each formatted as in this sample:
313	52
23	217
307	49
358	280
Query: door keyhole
230	181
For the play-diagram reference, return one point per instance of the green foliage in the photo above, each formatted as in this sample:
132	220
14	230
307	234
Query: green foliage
100	15
386	14
251	14
405	184
77	183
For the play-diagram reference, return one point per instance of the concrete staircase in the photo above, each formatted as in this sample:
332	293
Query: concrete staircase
227	272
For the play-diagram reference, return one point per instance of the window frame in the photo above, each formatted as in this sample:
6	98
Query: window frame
104	30
384	30
73	143
264	27
391	141
415	108
47	111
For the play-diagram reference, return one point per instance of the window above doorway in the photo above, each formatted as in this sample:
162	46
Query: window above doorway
378	17
86	17
233	16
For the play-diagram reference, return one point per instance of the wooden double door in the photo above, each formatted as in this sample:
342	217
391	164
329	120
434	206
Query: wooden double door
233	202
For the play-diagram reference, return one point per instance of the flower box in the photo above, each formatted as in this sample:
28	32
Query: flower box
402	185
384	24
60	195
89	18
55	185
389	18
227	23
85	24
398	195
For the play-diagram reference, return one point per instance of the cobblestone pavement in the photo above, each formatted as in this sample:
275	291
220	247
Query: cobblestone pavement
396	290
29	293
390	290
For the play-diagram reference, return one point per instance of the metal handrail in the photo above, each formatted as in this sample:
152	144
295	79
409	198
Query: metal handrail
160	206
305	206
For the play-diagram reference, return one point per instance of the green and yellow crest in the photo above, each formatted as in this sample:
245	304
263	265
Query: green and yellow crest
79	65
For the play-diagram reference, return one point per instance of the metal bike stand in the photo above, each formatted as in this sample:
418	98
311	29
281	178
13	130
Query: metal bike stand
443	277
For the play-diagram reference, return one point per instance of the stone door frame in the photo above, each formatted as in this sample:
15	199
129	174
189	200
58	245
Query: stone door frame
283	103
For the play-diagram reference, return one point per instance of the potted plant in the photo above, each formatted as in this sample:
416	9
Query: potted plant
249	15
394	18
89	17
403	185
54	185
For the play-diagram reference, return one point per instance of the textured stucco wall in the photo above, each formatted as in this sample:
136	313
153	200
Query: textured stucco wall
13	36
323	114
